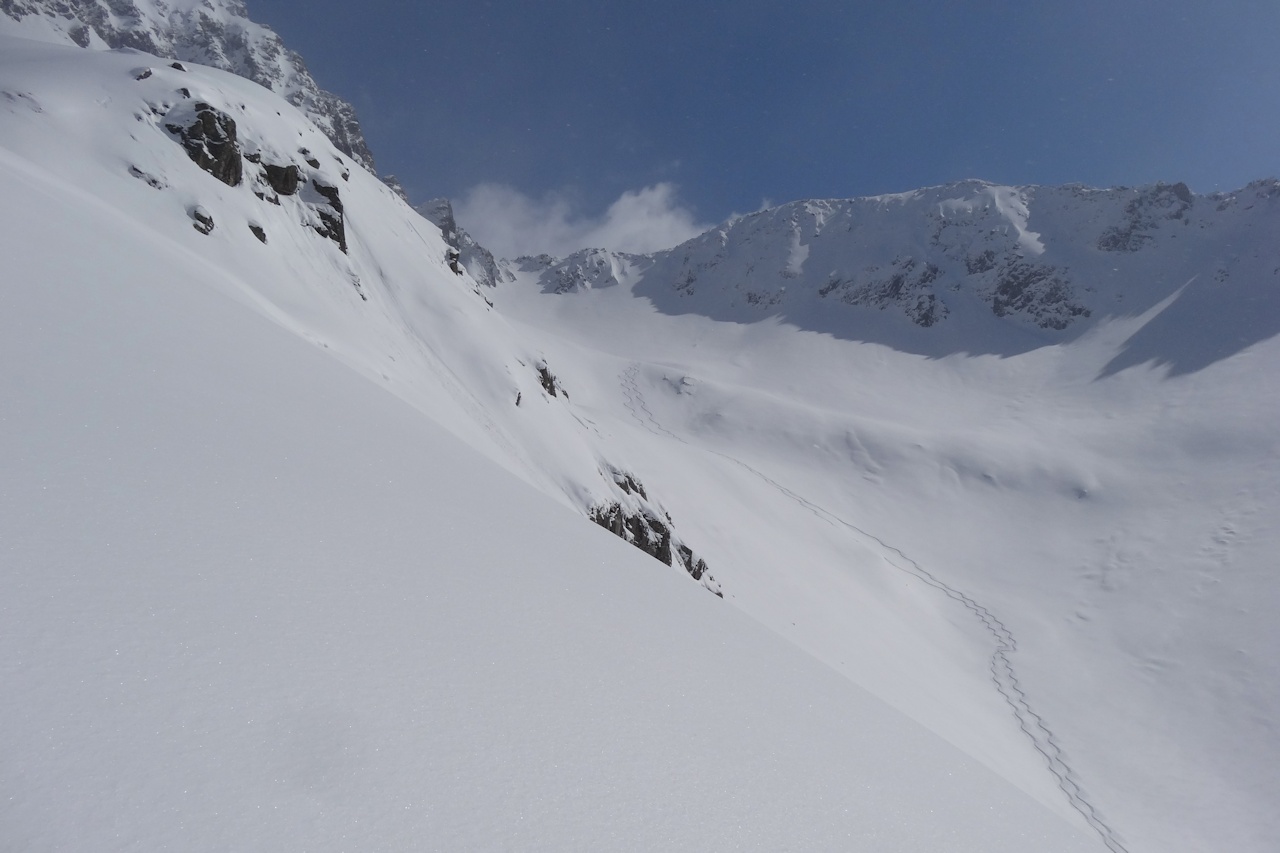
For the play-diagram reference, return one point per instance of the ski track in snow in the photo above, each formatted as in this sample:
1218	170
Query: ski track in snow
1003	674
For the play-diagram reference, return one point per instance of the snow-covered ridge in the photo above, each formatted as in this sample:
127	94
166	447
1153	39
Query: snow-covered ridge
970	266
332	254
217	33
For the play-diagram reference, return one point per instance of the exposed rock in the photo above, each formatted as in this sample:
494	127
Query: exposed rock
332	220
644	525
210	141
653	535
258	232
202	220
217	33
282	179
1038	292
549	382
1144	214
980	263
588	269
148	178
330	193
629	484
906	285
697	567
466	253
647	532
393	184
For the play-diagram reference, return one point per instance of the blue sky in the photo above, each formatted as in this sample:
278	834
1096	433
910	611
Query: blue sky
552	112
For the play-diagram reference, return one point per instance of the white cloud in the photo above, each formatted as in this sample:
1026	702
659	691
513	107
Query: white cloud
509	223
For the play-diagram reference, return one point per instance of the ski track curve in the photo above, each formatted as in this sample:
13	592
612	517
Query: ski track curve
1003	674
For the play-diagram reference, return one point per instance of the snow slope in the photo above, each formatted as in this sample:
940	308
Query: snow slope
1004	586
1092	508
252	600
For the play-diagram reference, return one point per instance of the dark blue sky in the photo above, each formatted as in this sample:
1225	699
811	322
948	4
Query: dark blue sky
735	102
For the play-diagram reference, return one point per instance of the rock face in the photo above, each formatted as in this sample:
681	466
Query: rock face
466	253
590	269
217	33
304	181
635	518
905	285
548	381
332	219
283	179
210	141
1144	214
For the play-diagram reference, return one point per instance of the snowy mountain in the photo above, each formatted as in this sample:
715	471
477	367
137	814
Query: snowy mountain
217	33
300	487
978	268
1049	406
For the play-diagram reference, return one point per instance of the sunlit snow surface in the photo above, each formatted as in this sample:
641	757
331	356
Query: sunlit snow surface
266	584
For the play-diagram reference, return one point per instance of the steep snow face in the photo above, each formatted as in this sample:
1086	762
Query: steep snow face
217	33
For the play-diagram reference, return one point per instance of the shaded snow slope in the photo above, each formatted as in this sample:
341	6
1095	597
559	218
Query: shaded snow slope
252	600
217	33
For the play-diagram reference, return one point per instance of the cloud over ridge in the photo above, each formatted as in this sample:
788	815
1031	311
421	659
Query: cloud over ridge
510	223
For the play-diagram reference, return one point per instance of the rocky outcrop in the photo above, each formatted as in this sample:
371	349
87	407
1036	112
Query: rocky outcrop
332	218
905	284
285	180
1041	293
635	518
201	220
548	381
652	535
210	141
464	252
393	184
217	33
589	269
1145	213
